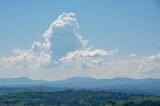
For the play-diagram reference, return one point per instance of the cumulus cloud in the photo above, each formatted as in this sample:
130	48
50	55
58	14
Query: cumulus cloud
139	67
150	63
89	52
40	52
65	20
63	48
62	37
61	42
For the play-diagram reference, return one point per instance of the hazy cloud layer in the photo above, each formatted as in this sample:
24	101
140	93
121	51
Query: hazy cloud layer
87	53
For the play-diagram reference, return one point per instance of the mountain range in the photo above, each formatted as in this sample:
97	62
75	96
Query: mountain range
148	86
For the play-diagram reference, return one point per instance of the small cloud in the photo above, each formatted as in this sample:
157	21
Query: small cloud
132	55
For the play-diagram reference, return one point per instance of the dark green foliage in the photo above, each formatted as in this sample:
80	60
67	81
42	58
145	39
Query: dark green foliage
76	98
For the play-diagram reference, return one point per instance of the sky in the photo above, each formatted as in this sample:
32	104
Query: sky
55	40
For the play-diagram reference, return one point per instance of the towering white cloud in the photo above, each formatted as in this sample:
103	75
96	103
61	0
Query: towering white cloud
63	48
65	20
61	42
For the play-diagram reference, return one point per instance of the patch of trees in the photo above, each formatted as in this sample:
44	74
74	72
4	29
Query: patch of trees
76	98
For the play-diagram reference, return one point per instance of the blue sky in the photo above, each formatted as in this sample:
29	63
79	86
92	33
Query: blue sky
131	26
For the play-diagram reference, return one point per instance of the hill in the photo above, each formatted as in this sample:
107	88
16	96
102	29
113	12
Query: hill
143	86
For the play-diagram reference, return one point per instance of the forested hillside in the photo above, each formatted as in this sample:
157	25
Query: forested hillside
76	98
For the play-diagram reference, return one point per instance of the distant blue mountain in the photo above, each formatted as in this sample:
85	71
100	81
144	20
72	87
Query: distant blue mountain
83	82
148	86
20	81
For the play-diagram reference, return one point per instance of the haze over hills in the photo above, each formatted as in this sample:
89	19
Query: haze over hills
148	86
19	81
78	82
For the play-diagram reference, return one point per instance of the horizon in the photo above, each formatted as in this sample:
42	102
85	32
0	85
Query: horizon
57	40
81	77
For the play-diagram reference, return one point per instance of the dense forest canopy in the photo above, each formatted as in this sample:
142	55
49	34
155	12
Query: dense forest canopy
75	98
